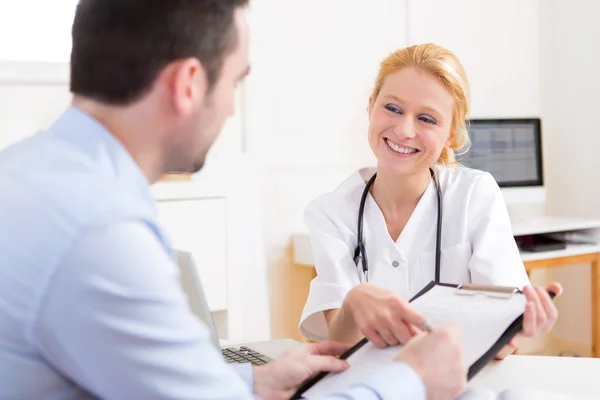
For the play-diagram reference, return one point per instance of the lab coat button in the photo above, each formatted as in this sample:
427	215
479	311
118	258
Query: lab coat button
395	264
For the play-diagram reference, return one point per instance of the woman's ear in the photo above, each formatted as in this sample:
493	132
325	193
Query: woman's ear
370	106
451	139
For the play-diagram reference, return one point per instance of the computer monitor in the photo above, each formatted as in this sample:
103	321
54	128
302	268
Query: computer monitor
509	149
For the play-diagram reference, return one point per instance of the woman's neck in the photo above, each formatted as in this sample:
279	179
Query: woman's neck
397	195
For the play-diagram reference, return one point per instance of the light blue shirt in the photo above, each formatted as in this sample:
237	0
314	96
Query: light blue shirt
90	300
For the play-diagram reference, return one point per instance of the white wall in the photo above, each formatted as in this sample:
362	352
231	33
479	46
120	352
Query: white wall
313	70
313	63
36	30
570	103
497	43
26	109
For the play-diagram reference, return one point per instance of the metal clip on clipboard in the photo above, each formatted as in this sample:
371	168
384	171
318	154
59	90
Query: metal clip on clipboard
472	289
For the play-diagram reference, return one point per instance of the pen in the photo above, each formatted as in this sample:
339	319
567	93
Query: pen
427	326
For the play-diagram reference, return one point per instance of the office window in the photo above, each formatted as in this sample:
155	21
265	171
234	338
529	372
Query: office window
36	30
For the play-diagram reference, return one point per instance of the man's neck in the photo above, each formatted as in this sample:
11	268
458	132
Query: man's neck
130	127
396	194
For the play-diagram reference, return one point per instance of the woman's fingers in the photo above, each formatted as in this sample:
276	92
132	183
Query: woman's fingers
542	318
529	320
540	314
410	316
505	352
374	337
549	309
388	336
403	332
514	342
544	314
556	288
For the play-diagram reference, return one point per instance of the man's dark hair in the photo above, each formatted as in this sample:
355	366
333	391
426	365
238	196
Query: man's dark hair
120	46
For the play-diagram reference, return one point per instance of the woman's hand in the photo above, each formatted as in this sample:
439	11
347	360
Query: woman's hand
540	315
508	349
382	316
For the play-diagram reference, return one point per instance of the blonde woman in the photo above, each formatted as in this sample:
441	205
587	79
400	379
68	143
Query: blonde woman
424	218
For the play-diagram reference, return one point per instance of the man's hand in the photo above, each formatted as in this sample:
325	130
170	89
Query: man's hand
280	378
437	358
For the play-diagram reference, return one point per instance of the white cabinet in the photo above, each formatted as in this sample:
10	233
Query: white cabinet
498	43
215	217
198	226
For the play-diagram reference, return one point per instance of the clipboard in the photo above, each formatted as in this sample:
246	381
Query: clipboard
496	292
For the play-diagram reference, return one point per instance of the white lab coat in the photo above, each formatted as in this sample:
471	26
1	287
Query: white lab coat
477	242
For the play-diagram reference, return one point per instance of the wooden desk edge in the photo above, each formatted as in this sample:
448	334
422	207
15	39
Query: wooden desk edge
594	260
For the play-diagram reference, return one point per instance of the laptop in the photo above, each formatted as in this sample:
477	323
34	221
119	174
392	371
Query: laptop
192	286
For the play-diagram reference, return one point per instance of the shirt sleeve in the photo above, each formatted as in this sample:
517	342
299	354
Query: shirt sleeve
394	381
244	370
336	272
116	322
496	259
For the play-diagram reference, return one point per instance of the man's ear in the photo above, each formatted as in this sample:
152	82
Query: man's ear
187	84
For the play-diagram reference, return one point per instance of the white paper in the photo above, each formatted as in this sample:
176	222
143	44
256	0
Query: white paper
521	394
483	320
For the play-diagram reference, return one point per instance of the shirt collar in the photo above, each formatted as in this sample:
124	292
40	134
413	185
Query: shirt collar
107	152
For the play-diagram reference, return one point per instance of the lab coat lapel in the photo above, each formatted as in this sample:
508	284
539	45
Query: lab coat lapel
418	228
421	224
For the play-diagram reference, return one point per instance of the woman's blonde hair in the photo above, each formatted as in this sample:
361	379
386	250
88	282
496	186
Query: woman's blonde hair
444	65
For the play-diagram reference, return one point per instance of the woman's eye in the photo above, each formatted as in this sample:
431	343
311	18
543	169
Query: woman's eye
428	120
393	108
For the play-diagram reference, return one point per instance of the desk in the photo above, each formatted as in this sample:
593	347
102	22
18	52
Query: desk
569	375
573	254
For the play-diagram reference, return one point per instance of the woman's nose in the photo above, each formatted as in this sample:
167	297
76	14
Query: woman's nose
405	128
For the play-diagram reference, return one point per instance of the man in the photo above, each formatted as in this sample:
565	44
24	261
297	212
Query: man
90	302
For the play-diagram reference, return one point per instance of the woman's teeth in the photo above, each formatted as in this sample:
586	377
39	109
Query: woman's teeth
398	149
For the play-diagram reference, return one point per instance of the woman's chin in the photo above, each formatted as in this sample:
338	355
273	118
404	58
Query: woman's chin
397	167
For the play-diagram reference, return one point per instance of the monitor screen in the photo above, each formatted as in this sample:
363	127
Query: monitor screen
509	149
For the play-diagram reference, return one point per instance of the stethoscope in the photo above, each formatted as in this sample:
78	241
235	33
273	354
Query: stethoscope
360	246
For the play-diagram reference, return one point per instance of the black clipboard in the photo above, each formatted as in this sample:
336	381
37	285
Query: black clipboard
478	365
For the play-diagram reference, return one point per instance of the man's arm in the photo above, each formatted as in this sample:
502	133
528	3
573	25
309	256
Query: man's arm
116	321
394	381
278	379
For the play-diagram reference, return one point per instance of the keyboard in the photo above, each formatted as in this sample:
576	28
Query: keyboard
244	355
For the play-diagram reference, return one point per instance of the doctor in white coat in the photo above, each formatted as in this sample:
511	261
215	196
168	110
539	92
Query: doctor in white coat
417	113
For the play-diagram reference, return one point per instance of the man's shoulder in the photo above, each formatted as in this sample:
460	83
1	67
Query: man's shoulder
49	201
50	176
